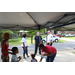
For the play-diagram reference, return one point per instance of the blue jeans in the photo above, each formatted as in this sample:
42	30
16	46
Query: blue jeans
25	51
50	58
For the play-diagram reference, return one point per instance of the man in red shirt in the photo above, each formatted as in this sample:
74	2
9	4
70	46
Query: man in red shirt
48	51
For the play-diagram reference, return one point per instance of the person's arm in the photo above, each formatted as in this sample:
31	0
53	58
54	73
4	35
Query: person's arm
36	60
49	54
41	59
50	41
41	41
2	49
31	60
24	46
19	59
9	49
34	41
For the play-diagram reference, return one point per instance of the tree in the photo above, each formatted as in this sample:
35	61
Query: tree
3	31
34	32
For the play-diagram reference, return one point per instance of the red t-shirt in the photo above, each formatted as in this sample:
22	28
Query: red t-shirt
5	49
49	49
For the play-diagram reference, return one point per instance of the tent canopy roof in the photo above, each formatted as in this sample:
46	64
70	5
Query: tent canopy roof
36	20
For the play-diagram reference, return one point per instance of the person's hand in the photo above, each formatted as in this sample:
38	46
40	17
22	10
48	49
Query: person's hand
45	54
49	43
40	61
10	49
20	57
42	53
10	53
24	48
34	41
27	46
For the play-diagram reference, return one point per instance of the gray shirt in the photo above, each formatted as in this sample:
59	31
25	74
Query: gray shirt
14	58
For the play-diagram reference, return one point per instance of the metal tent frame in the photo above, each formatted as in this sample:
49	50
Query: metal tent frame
36	20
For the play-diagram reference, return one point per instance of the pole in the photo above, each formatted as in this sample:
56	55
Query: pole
46	35
39	33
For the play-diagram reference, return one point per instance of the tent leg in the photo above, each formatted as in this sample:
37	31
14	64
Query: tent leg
46	35
39	33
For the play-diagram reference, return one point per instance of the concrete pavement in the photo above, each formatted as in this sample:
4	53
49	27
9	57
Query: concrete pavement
62	56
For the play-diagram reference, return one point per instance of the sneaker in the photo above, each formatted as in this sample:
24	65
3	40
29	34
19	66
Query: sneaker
24	57
27	56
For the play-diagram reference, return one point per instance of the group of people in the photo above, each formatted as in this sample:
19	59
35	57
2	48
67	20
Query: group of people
5	51
47	50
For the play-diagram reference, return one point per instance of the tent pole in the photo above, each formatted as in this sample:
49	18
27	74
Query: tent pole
46	35
39	33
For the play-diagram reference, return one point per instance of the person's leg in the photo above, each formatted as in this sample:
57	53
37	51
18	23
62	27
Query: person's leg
27	51
39	50
8	58
24	52
36	46
52	57
48	59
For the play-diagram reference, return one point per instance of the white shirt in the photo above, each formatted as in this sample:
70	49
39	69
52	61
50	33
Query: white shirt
25	41
14	58
49	38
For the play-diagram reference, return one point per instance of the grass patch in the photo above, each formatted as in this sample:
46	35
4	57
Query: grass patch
19	41
61	40
73	52
73	38
15	41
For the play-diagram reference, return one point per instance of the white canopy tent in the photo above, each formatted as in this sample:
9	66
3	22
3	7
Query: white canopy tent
69	27
36	20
